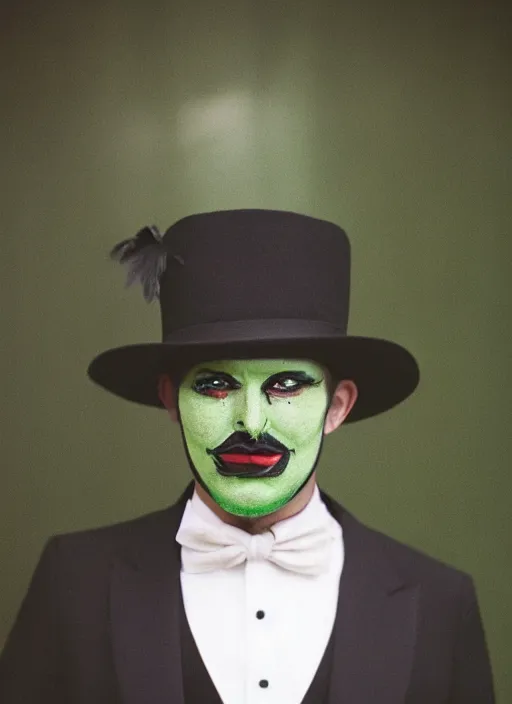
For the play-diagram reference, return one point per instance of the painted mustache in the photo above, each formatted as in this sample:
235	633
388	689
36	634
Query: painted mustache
242	456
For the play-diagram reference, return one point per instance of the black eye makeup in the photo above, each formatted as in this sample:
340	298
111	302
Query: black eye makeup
215	384
290	383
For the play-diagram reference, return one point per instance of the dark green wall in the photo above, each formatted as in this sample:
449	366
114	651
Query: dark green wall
393	119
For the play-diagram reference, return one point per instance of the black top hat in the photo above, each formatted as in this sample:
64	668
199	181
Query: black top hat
247	284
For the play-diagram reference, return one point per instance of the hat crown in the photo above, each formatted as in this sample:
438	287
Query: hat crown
251	283
254	265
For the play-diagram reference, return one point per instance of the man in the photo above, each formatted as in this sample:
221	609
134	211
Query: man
255	587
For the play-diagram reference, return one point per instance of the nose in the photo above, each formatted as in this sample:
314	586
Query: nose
251	413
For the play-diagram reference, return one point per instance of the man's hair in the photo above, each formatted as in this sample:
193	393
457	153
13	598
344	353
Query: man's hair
331	382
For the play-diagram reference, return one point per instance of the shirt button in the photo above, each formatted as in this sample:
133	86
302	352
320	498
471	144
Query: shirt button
260	614
264	684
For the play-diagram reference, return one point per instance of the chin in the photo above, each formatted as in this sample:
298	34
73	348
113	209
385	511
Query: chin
252	504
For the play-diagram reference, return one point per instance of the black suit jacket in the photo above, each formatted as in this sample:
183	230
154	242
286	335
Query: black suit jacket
99	623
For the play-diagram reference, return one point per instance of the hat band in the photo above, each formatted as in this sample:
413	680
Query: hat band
253	331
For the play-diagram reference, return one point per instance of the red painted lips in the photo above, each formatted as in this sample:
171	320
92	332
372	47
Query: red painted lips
243	458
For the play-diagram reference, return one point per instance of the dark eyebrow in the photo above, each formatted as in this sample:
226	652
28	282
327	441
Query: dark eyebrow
215	372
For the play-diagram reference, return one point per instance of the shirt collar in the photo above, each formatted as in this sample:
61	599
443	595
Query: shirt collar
314	513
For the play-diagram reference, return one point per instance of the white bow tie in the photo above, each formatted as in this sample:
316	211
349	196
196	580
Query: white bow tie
296	544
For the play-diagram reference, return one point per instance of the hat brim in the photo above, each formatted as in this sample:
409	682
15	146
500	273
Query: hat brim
384	372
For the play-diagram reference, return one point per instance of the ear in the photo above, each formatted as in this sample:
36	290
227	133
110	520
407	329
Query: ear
167	394
342	402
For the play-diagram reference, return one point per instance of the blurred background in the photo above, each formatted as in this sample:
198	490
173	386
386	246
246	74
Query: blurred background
392	119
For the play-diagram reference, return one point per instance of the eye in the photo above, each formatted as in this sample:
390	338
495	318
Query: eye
214	386
287	386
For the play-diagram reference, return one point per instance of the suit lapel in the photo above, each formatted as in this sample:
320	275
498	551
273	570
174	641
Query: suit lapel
374	630
144	611
375	627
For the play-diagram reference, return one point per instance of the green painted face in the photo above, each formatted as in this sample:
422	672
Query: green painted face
253	429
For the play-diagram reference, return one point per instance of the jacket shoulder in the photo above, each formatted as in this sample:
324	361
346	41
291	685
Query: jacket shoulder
133	536
411	564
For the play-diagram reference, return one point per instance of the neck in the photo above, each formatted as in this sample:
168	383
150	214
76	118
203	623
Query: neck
261	523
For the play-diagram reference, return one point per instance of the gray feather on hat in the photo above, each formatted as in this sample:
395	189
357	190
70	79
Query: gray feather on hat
146	258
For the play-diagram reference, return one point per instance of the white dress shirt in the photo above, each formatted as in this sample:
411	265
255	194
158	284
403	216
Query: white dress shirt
262	630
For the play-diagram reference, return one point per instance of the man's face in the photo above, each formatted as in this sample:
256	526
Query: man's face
253	429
